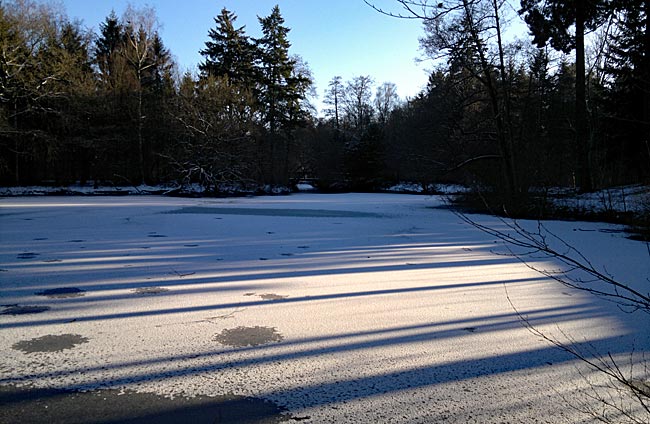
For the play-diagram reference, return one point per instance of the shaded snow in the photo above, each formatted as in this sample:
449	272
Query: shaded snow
634	198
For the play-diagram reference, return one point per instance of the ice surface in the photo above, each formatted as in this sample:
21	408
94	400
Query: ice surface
383	309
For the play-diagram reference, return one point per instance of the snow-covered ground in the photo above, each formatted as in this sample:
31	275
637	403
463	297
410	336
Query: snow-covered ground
632	198
342	308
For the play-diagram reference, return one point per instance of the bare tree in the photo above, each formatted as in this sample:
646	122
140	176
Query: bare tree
358	107
334	98
140	30
469	34
386	100
216	145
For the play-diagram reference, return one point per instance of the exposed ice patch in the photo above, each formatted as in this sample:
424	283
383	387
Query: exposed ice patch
50	343
248	336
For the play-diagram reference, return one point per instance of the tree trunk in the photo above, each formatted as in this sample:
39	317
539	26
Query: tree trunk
582	137
508	138
646	74
504	146
140	141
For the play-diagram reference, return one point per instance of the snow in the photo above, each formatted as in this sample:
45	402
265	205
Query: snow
431	188
303	186
386	308
633	198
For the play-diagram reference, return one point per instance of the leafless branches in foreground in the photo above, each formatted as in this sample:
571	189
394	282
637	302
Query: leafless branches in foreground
618	389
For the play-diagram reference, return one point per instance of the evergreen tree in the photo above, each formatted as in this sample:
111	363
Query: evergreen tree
276	69
229	52
160	79
107	46
563	24
628	100
281	89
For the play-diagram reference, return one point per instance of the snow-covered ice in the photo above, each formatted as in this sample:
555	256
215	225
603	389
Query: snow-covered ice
342	308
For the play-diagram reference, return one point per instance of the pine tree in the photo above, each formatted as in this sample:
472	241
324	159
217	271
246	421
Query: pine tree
159	77
276	68
110	40
229	52
563	24
629	98
281	90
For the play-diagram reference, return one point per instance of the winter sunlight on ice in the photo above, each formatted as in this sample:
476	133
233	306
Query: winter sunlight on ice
392	306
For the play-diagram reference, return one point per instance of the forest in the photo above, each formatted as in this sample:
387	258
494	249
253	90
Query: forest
566	104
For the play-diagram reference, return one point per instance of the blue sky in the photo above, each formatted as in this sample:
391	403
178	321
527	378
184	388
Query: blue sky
336	37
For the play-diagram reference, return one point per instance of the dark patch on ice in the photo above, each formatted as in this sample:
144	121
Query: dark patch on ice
295	213
644	237
28	219
286	254
50	343
49	261
270	232
191	245
248	336
272	296
156	235
264	259
23	310
149	290
125	406
267	296
303	247
62	293
27	255
612	230
470	329
76	241
40	238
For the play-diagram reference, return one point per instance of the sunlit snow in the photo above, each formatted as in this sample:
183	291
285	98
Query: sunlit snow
376	306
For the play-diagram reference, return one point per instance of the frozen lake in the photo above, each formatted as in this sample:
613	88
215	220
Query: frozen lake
334	308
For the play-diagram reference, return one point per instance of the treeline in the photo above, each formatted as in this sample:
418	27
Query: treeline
505	116
511	116
111	107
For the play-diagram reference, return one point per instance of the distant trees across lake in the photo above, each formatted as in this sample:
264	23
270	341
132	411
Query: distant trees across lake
111	107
